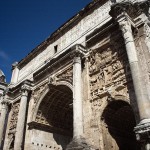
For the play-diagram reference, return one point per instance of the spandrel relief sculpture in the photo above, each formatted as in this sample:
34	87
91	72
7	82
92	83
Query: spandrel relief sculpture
116	66
38	92
100	71
118	72
66	75
12	125
95	61
108	68
101	81
108	75
107	55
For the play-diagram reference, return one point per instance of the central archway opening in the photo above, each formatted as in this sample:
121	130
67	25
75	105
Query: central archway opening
54	119
119	123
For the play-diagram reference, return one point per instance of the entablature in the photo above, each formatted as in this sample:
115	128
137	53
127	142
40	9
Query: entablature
60	63
14	92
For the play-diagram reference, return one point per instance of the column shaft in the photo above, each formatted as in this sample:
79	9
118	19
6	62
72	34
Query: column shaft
3	122
142	98
77	98
21	122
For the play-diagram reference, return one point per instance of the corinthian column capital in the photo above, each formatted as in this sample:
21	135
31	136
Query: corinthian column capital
132	8
121	7
26	87
78	51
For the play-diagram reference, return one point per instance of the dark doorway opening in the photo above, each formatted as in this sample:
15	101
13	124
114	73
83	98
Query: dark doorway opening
119	123
54	119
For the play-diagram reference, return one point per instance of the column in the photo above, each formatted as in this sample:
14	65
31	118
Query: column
20	130
15	73
142	98
3	117
142	130
78	142
77	97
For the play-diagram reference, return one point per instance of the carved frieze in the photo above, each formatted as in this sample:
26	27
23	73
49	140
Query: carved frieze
107	68
66	75
14	116
13	124
98	60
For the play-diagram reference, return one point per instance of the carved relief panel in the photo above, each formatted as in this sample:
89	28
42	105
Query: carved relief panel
54	99
13	124
108	68
66	75
110	76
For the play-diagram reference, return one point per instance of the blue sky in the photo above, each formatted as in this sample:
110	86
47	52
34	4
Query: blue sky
25	24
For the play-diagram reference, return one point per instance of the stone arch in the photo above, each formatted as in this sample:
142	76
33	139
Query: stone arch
63	82
118	124
40	98
46	90
53	116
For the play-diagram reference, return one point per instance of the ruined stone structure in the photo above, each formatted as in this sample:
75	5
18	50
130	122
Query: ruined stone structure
86	86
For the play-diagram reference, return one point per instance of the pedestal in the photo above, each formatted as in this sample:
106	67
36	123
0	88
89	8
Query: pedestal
80	143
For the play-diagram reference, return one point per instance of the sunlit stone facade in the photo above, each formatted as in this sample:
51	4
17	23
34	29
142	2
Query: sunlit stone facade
85	87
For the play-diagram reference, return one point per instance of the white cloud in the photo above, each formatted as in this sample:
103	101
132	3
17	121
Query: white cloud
4	56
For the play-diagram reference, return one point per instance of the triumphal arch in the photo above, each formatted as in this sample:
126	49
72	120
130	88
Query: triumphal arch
85	87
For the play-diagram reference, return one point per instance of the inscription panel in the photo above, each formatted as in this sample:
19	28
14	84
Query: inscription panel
74	34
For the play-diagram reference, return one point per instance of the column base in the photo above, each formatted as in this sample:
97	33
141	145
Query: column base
80	143
142	131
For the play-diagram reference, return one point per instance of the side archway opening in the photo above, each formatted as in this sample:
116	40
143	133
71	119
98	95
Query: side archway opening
118	125
53	121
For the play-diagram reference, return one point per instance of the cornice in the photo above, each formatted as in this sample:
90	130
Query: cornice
56	63
14	91
133	9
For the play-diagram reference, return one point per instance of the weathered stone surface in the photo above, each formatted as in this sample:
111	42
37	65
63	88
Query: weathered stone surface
80	143
92	92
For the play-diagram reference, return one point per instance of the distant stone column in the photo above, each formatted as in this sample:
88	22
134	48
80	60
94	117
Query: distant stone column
3	116
15	73
77	97
20	130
